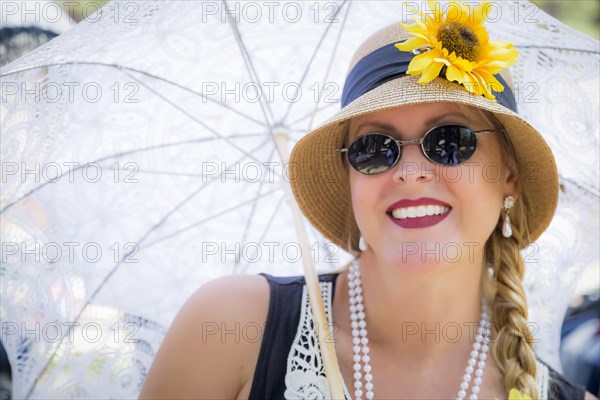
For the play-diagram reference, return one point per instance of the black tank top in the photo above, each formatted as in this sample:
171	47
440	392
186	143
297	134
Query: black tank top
280	331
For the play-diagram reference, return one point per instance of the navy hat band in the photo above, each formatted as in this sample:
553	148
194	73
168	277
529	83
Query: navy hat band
388	63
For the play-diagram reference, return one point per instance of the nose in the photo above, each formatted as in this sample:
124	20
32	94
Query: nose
413	166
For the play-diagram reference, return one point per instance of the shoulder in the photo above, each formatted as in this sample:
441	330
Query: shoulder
212	347
237	294
223	305
286	297
204	353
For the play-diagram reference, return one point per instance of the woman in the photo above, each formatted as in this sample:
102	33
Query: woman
433	305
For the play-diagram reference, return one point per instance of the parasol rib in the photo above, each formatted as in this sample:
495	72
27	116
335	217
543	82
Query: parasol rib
330	362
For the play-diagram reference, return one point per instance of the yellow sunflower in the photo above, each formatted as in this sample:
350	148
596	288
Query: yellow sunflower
456	40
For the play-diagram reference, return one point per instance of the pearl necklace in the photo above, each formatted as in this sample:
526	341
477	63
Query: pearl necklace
361	350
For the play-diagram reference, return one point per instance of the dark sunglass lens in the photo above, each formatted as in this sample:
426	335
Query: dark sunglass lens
373	154
450	144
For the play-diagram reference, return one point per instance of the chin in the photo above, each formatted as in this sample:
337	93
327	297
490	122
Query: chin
414	264
427	256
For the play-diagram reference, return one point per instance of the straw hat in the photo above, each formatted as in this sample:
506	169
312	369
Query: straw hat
320	180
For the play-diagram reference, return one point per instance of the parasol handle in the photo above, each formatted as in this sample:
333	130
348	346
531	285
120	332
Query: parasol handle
330	362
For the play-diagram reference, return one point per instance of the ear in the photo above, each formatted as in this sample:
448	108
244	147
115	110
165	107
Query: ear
512	183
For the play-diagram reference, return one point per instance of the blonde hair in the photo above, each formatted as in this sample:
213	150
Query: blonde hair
512	341
512	346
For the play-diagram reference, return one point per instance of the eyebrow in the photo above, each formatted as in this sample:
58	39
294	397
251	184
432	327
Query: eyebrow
389	128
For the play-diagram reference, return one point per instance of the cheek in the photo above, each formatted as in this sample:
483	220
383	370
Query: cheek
357	195
480	197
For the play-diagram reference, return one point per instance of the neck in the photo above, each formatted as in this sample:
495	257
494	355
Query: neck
433	313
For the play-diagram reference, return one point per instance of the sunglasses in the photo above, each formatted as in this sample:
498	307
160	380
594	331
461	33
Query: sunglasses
375	153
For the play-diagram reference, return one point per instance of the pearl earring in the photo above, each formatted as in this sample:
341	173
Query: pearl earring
509	202
362	244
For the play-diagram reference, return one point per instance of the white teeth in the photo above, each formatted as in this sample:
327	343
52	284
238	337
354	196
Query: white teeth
420	211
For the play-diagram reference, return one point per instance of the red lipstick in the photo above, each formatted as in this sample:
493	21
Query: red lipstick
418	222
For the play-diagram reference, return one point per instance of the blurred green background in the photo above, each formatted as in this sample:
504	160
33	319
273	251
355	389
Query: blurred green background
583	15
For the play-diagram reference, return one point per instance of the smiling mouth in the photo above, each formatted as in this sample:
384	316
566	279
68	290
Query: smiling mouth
418	211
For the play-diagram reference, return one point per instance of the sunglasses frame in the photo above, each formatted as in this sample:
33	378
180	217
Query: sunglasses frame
418	141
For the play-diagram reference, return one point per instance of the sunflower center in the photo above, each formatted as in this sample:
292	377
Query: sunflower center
459	39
